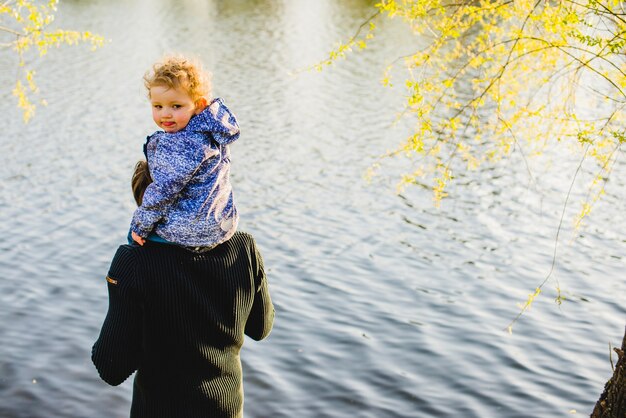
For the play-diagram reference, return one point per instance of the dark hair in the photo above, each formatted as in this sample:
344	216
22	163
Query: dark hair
141	180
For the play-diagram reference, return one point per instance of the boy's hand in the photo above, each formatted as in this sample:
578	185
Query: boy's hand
137	238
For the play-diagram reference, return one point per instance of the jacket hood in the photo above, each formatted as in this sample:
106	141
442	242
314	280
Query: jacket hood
217	120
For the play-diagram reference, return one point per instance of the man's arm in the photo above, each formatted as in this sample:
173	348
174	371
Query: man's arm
174	164
261	318
117	351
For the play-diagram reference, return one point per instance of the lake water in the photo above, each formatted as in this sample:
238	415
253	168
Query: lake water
385	305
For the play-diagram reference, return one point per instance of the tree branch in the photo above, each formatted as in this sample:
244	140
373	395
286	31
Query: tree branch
11	31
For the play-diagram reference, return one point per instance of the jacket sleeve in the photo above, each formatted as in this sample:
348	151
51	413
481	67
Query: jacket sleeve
261	318
117	351
175	162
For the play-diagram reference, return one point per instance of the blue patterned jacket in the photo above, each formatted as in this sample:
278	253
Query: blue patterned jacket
190	201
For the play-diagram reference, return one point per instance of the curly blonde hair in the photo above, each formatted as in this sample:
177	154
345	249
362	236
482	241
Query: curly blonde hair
178	72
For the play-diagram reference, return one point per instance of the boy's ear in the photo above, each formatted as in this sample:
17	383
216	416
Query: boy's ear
200	105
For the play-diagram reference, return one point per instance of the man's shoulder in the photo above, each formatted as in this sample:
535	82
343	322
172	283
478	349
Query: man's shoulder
241	243
126	251
123	265
244	235
134	253
243	238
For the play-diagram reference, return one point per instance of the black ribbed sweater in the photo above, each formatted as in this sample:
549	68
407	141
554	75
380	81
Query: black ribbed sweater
179	318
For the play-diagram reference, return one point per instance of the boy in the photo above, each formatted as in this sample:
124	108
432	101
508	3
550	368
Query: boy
190	201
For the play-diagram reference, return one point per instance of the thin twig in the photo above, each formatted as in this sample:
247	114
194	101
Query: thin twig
556	240
585	64
12	31
508	127
349	42
611	357
606	10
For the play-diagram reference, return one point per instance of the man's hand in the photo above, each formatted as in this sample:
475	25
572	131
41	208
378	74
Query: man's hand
137	238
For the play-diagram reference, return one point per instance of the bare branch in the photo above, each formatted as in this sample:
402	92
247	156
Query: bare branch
11	31
583	63
558	232
606	11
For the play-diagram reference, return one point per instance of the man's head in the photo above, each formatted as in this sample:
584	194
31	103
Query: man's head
141	179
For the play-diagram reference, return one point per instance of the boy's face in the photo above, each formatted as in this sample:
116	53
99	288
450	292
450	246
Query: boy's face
171	108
